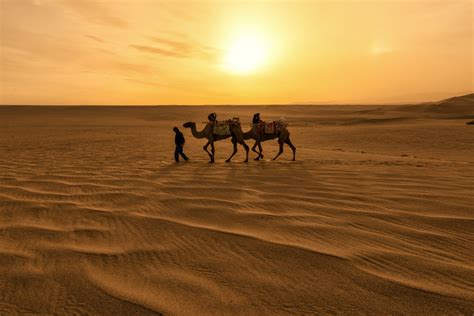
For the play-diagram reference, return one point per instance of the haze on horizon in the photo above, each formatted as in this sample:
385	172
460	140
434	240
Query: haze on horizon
234	52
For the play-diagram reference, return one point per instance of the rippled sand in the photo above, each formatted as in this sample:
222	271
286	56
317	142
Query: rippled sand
375	216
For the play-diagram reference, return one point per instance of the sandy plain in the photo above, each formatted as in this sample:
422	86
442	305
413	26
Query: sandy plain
375	217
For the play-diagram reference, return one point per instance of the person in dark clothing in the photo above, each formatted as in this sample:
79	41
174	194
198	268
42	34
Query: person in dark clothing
212	117
256	118
179	142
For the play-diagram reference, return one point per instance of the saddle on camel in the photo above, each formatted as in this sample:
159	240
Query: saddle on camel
271	128
222	128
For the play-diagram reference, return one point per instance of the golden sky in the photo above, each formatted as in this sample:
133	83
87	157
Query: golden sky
200	52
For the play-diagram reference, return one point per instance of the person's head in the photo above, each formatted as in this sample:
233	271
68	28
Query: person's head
175	129
212	117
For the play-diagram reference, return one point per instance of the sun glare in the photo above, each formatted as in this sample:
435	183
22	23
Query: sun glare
246	54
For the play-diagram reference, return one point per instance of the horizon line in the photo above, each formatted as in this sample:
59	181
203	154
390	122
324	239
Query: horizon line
329	103
204	105
221	104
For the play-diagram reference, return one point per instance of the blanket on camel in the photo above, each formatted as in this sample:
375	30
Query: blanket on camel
272	127
223	127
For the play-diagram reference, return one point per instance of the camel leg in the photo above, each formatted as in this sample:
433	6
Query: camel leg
254	150
213	151
246	147
211	156
293	148
234	142
261	149
205	149
280	151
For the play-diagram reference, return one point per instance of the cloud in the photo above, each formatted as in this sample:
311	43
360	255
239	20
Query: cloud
176	45
95	12
178	48
181	12
95	38
41	45
159	51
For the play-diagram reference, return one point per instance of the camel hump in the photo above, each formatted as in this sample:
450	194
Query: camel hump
222	128
274	127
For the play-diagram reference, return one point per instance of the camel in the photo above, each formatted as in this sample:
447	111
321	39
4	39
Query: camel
208	132
283	138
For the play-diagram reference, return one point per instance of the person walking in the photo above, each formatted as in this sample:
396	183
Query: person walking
179	142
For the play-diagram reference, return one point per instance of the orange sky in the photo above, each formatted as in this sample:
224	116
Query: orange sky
172	52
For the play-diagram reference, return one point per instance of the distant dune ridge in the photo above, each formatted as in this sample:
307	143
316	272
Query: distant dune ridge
375	217
456	107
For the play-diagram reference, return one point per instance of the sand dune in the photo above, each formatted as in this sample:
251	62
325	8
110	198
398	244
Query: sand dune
375	216
461	107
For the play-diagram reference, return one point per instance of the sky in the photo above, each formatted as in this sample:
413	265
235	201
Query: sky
149	52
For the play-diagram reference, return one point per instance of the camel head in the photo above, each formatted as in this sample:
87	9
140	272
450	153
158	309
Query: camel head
188	124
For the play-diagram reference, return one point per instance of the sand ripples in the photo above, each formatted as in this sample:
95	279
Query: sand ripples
212	239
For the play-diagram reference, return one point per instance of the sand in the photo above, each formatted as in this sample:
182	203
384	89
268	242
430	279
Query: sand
375	216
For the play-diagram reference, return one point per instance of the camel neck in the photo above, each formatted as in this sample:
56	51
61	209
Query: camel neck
198	134
249	134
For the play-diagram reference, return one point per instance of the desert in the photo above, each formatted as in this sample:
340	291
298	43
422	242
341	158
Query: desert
375	216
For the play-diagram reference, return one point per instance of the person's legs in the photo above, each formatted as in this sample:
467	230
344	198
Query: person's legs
176	153
179	150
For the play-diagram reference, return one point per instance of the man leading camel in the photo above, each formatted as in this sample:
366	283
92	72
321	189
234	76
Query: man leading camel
179	142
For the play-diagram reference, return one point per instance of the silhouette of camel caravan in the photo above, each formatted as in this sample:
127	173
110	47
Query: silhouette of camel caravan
260	132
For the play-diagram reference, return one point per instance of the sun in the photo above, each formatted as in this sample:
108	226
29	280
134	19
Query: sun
246	54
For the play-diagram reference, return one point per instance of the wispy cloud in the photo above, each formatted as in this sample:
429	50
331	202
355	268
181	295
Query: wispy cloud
160	51
178	48
181	12
41	45
95	38
95	12
176	45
